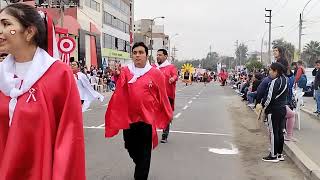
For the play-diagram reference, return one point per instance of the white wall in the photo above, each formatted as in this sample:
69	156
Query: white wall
88	52
87	15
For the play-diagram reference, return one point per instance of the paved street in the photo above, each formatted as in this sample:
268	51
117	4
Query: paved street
210	124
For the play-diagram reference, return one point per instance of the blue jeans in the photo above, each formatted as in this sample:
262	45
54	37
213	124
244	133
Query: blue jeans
318	99
251	97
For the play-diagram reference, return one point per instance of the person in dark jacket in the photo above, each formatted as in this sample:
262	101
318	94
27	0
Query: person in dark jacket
316	85
280	56
251	96
262	90
275	109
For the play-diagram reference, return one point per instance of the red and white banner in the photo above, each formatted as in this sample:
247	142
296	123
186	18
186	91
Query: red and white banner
66	46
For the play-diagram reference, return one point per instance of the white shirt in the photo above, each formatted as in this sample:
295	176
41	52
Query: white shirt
21	69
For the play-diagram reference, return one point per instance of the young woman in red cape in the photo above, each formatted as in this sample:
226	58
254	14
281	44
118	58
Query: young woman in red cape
139	106
41	131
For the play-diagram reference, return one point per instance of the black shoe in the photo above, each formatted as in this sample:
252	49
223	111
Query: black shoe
316	112
270	159
164	140
281	157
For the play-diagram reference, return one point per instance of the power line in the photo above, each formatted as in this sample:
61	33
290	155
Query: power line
283	6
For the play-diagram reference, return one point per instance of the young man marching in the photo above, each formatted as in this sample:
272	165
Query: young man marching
139	106
171	77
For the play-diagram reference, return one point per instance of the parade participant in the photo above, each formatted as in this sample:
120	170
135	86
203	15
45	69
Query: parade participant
87	93
171	77
186	77
139	105
275	110
41	130
205	78
223	75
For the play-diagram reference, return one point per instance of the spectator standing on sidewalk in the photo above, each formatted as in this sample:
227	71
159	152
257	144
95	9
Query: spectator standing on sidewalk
275	110
279	55
300	81
316	73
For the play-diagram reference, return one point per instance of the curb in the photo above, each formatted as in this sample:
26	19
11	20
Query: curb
302	161
309	112
309	168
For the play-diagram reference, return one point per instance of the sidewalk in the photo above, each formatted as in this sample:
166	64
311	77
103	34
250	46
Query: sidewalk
305	152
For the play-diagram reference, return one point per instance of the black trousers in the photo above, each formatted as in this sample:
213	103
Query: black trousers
138	142
165	133
276	119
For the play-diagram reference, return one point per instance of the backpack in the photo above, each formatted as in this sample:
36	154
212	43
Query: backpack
302	83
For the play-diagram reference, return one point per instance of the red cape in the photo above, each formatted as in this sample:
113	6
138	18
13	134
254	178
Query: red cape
45	140
144	100
170	72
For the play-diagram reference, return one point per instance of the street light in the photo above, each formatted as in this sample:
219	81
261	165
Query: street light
170	43
300	25
263	38
151	43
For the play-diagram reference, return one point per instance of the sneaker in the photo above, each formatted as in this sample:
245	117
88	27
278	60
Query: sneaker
164	140
270	159
251	105
281	157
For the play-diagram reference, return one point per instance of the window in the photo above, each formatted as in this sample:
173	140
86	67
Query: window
119	4
114	22
93	4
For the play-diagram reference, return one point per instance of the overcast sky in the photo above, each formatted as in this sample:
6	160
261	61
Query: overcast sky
201	23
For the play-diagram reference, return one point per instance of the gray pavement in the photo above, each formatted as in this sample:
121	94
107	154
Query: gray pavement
307	137
206	118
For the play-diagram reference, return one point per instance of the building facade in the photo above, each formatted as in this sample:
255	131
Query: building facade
142	33
102	29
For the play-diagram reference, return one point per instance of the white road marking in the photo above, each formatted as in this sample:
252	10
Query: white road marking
198	133
93	127
105	104
88	110
102	125
225	151
197	95
185	107
177	116
194	98
172	131
189	102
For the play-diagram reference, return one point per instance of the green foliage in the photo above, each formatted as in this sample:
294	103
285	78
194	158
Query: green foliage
311	53
242	53
209	62
253	64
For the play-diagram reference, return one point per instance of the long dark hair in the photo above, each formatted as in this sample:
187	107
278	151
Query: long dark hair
279	68
29	16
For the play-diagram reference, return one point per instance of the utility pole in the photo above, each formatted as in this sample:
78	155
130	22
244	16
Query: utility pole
237	47
269	16
174	50
300	33
300	26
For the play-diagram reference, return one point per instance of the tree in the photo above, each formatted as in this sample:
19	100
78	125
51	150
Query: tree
242	53
289	48
254	64
311	52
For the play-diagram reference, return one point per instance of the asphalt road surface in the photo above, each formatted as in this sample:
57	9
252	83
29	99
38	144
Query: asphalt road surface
214	137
